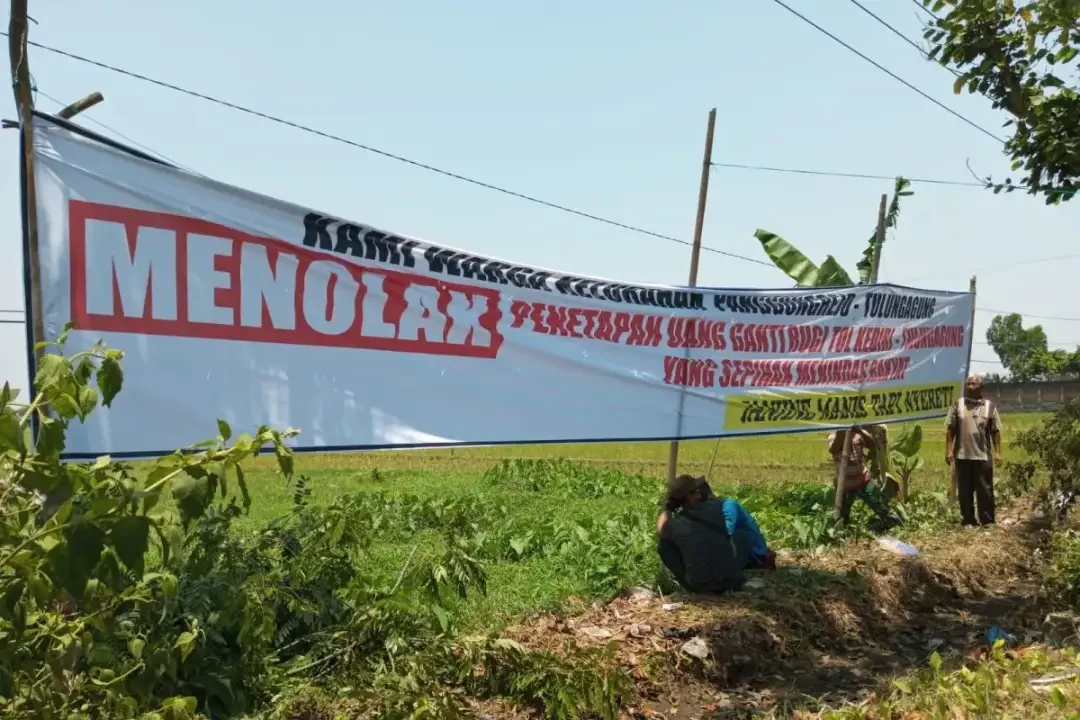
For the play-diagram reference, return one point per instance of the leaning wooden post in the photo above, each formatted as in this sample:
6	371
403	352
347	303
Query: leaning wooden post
18	28
967	373
80	106
841	467
695	255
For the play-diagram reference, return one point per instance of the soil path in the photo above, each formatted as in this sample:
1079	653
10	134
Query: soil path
831	626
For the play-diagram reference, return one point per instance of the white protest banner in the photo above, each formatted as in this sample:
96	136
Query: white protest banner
234	305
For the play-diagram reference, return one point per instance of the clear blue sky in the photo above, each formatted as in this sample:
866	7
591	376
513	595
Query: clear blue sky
597	105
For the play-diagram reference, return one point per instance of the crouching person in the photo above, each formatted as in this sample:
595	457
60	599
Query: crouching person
695	544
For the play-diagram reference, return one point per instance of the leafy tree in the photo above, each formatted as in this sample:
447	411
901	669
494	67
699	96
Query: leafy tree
1018	348
1022	55
830	273
1025	354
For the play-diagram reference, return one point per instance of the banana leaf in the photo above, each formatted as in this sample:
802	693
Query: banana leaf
799	267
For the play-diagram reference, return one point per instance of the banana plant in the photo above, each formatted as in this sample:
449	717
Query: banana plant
905	458
830	273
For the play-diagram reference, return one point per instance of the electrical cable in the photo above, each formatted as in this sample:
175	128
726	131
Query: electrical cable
897	33
1027	315
387	154
114	131
887	71
871	176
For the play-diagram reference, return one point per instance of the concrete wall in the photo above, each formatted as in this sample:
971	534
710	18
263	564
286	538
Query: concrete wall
1032	397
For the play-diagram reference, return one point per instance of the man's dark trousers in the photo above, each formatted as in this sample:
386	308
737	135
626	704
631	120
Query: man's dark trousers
975	486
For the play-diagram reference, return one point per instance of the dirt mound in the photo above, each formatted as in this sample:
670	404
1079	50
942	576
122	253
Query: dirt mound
829	625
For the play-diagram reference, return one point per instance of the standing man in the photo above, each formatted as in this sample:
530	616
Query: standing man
970	428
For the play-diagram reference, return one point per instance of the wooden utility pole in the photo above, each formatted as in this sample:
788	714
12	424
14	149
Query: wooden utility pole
967	374
80	106
841	467
18	28
695	256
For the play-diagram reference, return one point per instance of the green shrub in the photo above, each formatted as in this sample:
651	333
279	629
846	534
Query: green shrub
114	604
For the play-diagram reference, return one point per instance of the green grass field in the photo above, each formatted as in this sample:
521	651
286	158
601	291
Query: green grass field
610	490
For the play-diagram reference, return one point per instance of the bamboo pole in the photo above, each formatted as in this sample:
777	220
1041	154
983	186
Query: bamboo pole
695	256
967	374
841	467
18	29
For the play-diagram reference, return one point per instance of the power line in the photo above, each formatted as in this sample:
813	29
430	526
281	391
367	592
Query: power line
928	11
1028	315
1001	266
387	154
850	175
114	131
897	33
1030	343
885	70
871	176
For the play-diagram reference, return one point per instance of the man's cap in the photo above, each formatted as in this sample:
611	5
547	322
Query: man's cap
683	485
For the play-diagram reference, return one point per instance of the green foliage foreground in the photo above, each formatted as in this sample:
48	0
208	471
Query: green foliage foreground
115	604
149	591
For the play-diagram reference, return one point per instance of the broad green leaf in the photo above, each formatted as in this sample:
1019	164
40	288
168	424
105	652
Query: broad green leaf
87	400
910	442
284	458
242	483
935	662
12	595
788	258
168	582
130	538
11	434
185	642
832	274
442	616
110	378
865	266
65	406
7	395
62	338
224	430
51	370
72	561
150	501
135	647
1059	699
84	370
50	439
192	495
903	686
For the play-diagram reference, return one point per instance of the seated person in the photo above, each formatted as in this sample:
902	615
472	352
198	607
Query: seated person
695	544
737	518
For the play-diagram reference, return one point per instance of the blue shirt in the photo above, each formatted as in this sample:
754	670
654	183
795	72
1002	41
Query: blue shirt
736	518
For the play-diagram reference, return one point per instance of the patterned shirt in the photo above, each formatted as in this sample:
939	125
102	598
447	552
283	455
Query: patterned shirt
856	474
